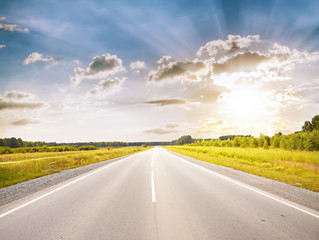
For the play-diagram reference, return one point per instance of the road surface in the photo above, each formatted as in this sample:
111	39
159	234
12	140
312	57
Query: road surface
155	195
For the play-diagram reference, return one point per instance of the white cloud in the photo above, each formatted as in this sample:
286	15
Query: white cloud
100	68
11	27
77	62
38	57
137	66
217	49
2	46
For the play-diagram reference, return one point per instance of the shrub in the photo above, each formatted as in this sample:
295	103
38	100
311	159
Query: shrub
87	148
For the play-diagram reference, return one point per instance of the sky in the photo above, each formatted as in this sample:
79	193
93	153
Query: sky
73	71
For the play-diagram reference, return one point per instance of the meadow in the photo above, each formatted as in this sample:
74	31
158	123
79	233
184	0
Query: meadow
20	167
297	168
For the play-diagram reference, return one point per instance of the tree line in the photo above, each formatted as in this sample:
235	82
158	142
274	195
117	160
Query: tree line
307	139
19	143
8	150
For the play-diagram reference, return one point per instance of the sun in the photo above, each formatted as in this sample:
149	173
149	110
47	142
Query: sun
243	103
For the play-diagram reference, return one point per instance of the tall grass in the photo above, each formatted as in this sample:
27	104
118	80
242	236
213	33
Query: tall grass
19	167
299	168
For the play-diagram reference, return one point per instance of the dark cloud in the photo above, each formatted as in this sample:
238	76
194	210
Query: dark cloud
16	95
18	100
17	105
175	69
164	102
240	63
159	131
107	85
24	122
104	63
99	68
172	125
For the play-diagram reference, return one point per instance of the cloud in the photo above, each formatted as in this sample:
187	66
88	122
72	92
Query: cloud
11	27
77	62
18	100
159	131
210	126
204	92
17	95
169	69
217	49
215	123
24	122
172	125
244	62
2	46
99	68
107	86
137	66
165	60
38	57
17	105
164	102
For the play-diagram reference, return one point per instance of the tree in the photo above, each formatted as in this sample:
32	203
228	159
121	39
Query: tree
307	127
315	122
145	145
185	140
313	125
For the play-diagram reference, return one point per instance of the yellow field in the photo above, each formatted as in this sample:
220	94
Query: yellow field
298	168
19	167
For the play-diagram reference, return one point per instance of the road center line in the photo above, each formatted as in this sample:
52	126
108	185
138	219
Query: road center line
153	188
248	187
64	186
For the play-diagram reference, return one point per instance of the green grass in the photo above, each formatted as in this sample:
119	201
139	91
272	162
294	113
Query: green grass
298	168
20	167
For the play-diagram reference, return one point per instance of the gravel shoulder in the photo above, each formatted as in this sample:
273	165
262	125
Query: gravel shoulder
297	195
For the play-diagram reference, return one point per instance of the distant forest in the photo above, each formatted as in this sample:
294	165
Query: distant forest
307	139
19	143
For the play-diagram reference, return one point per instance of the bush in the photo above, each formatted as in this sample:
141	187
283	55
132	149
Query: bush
87	148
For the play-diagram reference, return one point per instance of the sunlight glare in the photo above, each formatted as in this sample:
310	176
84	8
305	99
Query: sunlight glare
243	102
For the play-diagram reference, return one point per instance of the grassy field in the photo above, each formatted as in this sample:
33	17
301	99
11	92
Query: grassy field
20	167
298	168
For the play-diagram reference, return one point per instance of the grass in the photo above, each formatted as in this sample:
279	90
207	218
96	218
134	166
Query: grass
20	167
298	168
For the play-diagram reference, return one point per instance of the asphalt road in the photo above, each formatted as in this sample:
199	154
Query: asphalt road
155	195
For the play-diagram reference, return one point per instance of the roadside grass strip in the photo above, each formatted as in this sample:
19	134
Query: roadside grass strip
20	167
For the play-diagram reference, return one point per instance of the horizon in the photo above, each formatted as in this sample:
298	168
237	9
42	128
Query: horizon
150	71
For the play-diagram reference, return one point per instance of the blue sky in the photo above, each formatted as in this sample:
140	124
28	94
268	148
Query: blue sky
42	43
